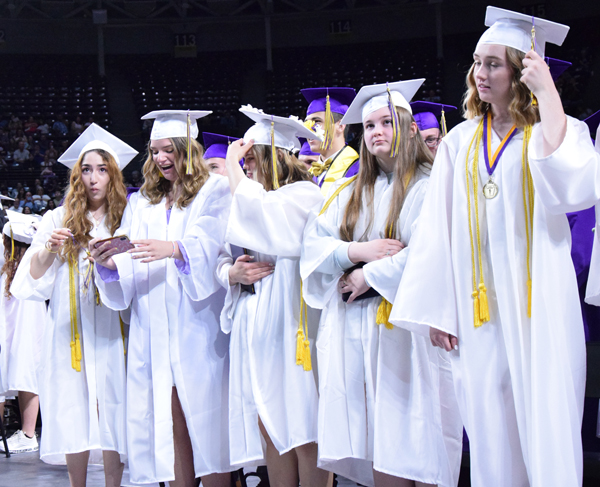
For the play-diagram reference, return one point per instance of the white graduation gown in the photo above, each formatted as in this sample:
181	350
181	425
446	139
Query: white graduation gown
519	381
379	395
80	410
174	334
265	381
22	326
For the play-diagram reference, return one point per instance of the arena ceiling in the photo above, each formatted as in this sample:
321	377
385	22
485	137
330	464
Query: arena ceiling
108	11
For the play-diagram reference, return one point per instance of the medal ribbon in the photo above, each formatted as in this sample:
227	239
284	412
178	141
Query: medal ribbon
491	161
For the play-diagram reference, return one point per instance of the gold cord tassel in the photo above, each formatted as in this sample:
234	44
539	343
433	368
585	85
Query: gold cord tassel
476	310
528	199
302	342
328	127
188	169
484	311
395	126
12	245
383	314
76	354
274	156
444	126
533	98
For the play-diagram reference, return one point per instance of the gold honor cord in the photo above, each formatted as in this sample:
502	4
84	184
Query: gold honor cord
274	156
528	198
481	312
302	342
75	338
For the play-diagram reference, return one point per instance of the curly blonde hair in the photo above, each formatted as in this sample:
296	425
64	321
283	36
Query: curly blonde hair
77	206
521	110
289	168
413	156
186	186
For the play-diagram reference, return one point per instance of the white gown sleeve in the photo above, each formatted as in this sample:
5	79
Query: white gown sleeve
24	286
203	240
225	261
568	179
384	275
319	268
271	222
426	296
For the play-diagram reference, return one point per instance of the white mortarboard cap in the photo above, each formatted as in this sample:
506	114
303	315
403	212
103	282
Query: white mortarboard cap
173	123
513	29
23	227
373	97
286	130
4	198
95	137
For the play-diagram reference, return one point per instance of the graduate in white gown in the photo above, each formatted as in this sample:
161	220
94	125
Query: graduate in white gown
272	394
379	410
22	326
491	278
178	361
82	378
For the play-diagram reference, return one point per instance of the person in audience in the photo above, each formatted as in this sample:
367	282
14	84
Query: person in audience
273	395
177	407
493	217
82	376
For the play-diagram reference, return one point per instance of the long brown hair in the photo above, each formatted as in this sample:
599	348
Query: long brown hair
521	110
413	156
186	186
289	168
77	206
10	266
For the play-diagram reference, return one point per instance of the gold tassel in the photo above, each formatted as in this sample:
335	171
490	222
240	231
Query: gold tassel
189	146
444	126
300	346
12	245
383	314
533	98
77	347
484	311
328	127
307	360
73	355
476	310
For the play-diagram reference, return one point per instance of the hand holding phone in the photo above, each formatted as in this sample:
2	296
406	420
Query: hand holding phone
120	244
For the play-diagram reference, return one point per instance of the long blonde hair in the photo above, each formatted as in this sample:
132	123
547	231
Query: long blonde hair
521	110
413	156
77	206
186	186
10	265
289	168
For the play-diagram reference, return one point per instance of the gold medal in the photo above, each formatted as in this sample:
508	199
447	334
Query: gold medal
490	189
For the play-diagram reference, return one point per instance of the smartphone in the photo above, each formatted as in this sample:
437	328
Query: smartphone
121	243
